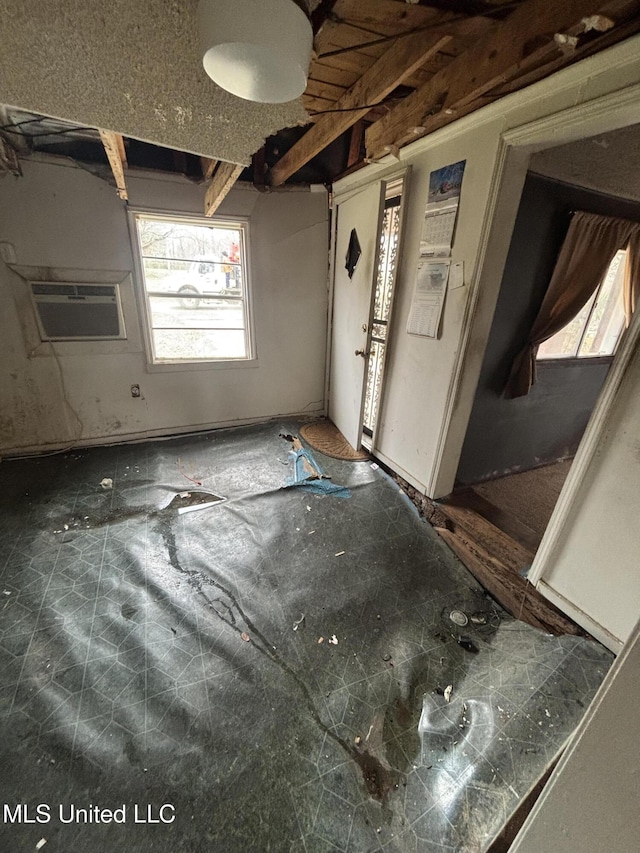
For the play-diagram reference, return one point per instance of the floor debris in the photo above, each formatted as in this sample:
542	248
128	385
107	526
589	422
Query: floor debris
106	483
299	623
333	640
468	645
186	476
309	475
192	501
448	690
198	713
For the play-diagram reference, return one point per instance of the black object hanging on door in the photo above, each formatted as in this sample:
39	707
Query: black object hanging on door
353	253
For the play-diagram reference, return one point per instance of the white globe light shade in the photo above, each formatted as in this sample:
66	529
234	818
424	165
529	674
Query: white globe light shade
256	49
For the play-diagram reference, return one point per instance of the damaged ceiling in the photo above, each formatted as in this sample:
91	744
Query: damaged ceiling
608	163
134	68
383	74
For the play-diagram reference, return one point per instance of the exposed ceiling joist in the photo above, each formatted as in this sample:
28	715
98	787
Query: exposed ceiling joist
385	75
8	158
208	167
609	37
13	136
114	149
462	28
224	178
451	91
364	19
496	47
258	163
355	144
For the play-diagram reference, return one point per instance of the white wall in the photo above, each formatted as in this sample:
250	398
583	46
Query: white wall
431	383
594	564
60	216
590	804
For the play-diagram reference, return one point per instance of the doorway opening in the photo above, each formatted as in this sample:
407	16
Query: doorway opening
517	453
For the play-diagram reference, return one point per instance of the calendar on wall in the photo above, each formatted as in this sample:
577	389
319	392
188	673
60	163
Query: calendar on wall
441	211
436	239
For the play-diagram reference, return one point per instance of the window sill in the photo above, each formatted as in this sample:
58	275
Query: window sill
181	366
558	362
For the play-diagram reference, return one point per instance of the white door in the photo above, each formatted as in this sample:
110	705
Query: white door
352	308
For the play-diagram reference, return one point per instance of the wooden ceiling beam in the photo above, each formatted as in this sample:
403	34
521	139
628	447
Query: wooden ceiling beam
224	178
259	164
355	145
208	167
464	29
114	148
382	17
14	138
398	63
476	71
607	39
8	158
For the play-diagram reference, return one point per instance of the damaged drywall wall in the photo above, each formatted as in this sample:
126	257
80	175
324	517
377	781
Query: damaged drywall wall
80	391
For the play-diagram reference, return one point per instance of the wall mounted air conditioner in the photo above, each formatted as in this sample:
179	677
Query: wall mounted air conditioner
77	312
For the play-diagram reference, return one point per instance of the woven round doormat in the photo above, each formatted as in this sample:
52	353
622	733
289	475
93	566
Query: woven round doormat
327	438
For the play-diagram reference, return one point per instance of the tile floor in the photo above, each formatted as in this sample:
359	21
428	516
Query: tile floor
149	657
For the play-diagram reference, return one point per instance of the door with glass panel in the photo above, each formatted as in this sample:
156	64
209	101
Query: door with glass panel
382	309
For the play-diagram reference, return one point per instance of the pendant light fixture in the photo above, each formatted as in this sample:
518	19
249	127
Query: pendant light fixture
256	49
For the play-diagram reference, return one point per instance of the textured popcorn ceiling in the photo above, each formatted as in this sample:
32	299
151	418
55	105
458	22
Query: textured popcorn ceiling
609	162
132	66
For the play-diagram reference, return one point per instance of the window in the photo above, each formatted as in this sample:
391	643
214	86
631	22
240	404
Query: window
595	330
195	288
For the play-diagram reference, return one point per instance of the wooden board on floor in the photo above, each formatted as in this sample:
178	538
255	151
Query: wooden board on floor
514	593
493	540
505	521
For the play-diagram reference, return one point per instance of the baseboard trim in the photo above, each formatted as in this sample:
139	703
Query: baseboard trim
580	617
163	433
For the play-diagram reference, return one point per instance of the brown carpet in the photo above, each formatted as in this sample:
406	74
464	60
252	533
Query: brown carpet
529	496
327	438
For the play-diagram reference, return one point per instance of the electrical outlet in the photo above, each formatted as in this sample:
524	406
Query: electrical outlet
135	391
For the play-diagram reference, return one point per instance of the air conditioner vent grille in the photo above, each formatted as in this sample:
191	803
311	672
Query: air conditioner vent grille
67	311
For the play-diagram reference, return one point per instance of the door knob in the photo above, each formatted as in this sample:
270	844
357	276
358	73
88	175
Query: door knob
363	352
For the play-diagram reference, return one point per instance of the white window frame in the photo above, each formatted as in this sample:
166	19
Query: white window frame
555	359
239	222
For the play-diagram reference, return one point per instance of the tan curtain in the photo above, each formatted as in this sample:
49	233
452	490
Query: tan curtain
587	251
